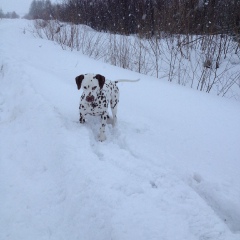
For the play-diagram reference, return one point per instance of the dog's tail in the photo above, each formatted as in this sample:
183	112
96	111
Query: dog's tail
126	80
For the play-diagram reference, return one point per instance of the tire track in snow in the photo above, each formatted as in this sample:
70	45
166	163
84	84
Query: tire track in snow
219	201
145	176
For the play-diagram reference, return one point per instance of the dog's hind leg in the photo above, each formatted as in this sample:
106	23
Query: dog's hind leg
114	114
114	104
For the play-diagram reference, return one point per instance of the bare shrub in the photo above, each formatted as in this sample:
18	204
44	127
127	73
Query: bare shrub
200	62
140	56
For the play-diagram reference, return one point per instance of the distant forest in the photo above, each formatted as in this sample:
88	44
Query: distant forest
8	14
145	17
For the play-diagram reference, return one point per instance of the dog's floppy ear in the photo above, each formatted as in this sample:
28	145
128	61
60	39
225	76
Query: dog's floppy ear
79	81
101	80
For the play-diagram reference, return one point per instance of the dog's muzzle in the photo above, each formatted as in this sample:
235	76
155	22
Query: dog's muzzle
90	98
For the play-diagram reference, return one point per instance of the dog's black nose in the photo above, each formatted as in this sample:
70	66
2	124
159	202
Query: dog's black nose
90	98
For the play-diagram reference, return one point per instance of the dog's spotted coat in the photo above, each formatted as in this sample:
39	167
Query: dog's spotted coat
97	94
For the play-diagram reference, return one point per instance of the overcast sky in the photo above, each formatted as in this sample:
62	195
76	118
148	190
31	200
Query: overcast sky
21	7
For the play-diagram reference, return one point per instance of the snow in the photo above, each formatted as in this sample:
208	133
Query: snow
169	170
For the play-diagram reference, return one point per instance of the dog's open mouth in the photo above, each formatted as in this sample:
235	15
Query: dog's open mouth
90	98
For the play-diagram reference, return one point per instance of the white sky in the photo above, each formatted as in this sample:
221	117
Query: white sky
21	7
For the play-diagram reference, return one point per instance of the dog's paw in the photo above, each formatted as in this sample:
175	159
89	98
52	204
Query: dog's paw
114	122
82	120
101	137
109	121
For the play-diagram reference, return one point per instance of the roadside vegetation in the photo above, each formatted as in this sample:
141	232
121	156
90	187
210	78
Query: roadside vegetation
192	43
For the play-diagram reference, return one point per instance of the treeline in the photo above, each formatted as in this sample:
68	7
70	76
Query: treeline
146	17
11	15
41	9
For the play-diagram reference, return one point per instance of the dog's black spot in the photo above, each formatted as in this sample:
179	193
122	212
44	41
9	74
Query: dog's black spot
94	104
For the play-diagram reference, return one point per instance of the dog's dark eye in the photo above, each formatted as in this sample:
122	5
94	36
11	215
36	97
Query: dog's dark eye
94	88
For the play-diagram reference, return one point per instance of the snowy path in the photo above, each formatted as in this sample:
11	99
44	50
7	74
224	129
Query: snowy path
169	171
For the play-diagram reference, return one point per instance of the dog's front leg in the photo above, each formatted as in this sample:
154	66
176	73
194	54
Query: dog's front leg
81	113
102	136
81	119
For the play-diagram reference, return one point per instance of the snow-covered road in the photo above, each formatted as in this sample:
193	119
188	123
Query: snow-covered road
168	171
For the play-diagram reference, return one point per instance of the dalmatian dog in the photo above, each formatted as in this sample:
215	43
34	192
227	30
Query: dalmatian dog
97	93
